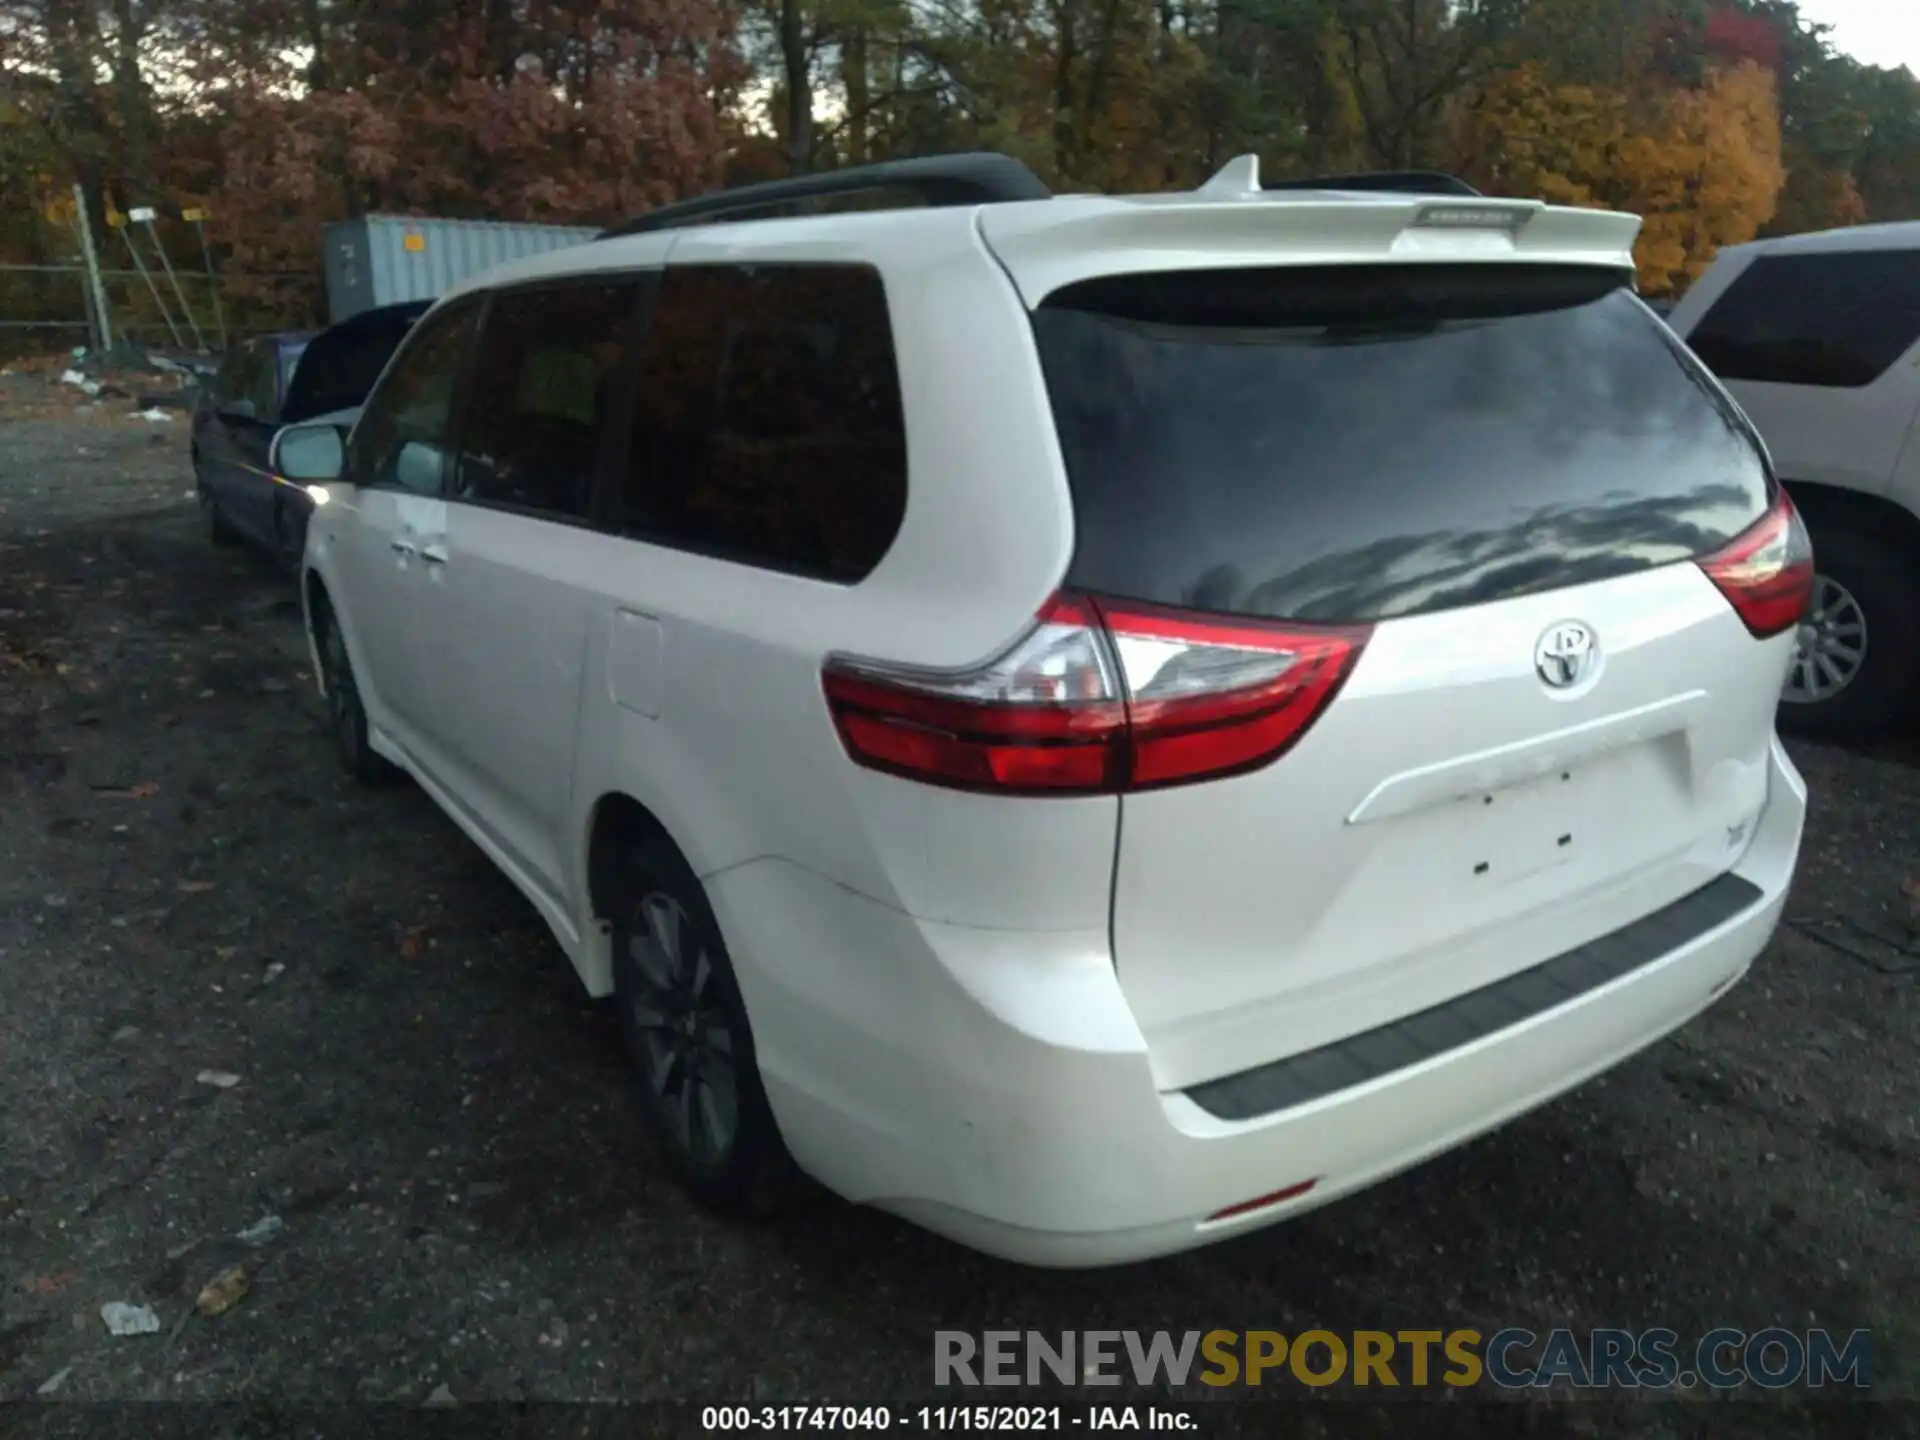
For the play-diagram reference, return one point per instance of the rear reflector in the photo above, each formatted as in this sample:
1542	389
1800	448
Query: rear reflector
1247	1207
1766	571
1099	697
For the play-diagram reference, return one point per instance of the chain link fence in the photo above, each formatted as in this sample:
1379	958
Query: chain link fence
53	307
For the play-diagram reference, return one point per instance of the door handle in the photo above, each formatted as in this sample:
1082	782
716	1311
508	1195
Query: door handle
435	553
405	547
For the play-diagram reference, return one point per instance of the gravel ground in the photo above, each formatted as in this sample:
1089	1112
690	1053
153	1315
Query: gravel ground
425	1099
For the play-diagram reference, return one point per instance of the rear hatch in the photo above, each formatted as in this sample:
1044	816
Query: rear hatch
339	366
1505	513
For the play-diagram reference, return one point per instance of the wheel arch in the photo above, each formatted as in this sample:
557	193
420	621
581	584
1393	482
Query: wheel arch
616	821
1877	542
1875	516
316	610
321	605
314	595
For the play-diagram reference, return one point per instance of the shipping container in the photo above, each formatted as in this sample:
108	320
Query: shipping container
385	259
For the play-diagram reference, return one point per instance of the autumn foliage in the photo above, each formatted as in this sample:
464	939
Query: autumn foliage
1734	37
624	117
1701	164
1716	120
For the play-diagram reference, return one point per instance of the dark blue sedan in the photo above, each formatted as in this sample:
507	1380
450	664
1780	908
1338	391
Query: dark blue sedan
271	381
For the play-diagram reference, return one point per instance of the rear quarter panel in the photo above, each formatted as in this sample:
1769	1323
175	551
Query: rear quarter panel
741	761
1906	471
1852	439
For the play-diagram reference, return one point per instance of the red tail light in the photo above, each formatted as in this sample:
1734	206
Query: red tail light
1766	571
1101	696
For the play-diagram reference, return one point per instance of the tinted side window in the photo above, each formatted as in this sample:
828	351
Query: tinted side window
263	381
1836	319
404	432
240	380
230	382
767	426
543	379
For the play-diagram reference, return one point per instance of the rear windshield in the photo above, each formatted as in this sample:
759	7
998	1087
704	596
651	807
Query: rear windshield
1357	443
340	365
291	352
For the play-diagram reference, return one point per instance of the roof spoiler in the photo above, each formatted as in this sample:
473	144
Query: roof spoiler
976	178
984	177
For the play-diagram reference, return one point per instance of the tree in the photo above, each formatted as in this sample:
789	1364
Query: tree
1705	116
1405	61
1720	178
89	91
1701	164
1094	94
564	112
1887	169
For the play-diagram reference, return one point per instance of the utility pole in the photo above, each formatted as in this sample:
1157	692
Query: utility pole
92	259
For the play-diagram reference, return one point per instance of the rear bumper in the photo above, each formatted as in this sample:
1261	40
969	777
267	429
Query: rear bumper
993	1087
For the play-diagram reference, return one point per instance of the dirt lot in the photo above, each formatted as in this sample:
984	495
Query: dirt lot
189	885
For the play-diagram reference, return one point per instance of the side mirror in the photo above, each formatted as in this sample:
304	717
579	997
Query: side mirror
241	409
311	454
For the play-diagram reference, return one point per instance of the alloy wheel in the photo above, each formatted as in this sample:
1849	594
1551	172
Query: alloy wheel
687	1043
1830	646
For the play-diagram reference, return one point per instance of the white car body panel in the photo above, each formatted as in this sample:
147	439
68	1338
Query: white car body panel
1443	754
369	546
981	1011
1851	438
508	710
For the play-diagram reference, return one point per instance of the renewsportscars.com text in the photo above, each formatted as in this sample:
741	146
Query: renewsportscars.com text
1511	1359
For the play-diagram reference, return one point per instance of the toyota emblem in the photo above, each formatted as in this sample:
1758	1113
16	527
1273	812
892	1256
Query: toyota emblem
1566	654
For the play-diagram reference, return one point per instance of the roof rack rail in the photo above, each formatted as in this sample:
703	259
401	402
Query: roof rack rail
977	178
1405	182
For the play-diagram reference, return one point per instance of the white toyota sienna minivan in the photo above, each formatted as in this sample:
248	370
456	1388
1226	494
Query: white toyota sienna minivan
1092	723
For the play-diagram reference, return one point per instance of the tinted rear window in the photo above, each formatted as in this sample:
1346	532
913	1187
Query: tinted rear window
291	352
340	365
1361	443
1838	319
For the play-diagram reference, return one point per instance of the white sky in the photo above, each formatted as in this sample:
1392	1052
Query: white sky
1874	32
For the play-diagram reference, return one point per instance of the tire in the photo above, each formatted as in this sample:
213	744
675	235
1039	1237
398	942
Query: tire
692	1065
289	543
218	530
346	715
1860	675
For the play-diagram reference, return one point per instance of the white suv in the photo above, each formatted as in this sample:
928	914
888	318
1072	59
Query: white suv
1818	338
1092	723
